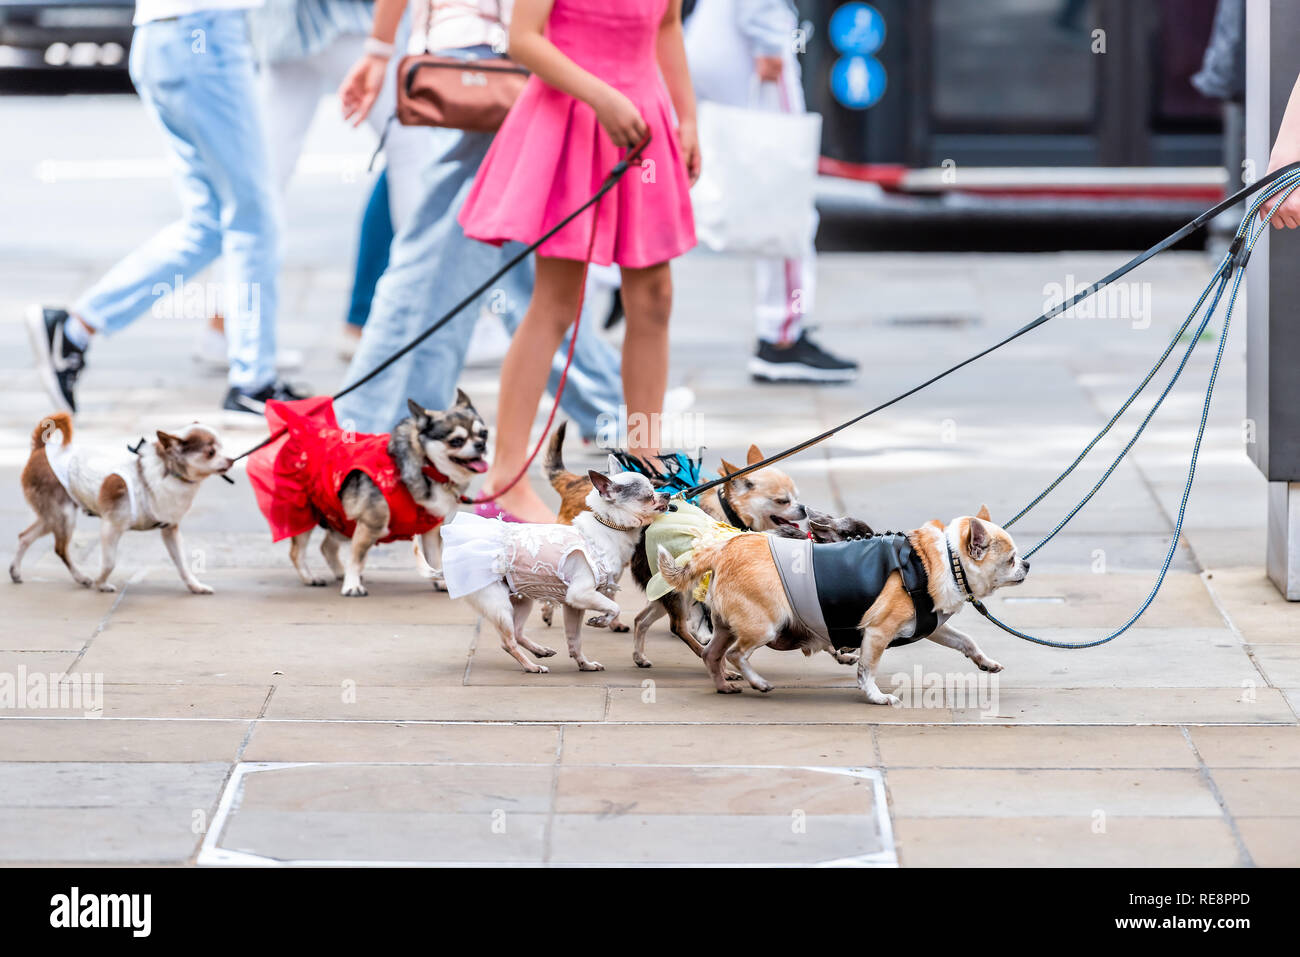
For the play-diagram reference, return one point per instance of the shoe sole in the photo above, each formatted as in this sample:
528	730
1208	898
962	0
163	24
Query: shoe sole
35	322
765	371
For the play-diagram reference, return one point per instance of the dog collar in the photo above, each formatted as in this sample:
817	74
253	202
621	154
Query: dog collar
958	572
431	472
733	517
617	528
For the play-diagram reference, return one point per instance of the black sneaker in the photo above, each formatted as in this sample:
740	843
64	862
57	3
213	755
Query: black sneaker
58	361
801	361
247	409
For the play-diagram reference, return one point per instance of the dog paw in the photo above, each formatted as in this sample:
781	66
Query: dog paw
619	627
544	652
106	586
642	661
198	588
537	670
590	666
316	582
15	576
355	591
733	676
729	689
989	665
880	698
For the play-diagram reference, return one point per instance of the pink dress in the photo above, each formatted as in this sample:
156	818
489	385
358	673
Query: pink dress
551	155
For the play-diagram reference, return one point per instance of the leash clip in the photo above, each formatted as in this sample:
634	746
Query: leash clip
135	449
1238	256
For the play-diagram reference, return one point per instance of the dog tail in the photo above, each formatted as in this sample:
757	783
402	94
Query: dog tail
693	568
44	432
555	471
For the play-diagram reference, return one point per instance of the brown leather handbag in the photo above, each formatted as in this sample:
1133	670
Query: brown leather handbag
462	94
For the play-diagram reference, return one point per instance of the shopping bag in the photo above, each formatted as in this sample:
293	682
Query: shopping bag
757	187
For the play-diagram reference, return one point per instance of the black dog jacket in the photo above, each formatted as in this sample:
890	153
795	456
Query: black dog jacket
830	587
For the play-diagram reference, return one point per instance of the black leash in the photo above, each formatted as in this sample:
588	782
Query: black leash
610	182
1170	240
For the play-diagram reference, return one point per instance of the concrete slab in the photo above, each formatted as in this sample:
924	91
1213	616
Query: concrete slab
1076	793
476	813
375	702
109	740
1260	792
1248	705
395	741
791	744
1066	842
1037	747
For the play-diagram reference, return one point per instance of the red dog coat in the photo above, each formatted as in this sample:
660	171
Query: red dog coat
298	476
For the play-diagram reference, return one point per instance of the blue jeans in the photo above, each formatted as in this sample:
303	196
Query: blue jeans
372	251
195	76
432	266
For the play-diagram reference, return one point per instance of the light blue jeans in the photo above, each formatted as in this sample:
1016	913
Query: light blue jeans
195	76
432	266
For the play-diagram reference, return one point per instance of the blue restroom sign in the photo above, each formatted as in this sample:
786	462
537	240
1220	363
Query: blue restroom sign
857	29
857	78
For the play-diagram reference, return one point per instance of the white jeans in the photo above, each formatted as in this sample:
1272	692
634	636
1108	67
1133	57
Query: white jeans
722	70
292	91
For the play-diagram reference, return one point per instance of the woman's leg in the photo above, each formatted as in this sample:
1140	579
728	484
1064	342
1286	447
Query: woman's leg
523	375
648	300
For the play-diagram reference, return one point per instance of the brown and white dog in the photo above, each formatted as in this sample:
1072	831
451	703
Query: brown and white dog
750	607
764	500
151	488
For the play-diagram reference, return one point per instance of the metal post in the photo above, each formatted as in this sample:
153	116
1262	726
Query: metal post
1273	296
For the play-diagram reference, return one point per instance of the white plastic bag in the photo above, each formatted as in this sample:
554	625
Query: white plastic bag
757	187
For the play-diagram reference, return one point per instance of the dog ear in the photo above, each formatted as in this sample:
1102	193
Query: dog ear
612	466
600	481
727	468
417	410
977	539
463	400
167	440
754	455
936	523
984	513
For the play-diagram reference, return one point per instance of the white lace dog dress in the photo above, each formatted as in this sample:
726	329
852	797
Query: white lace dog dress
530	558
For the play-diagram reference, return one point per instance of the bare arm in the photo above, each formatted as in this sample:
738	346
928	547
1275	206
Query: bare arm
671	52
360	88
530	48
1286	149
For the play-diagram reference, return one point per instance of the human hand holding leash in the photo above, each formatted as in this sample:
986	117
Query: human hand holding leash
1286	149
620	119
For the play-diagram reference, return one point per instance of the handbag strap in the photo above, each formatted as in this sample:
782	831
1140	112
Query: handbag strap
471	9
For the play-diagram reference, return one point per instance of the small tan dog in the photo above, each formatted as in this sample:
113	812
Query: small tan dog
764	500
790	595
151	488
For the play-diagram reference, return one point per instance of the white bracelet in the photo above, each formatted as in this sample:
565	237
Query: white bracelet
377	47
